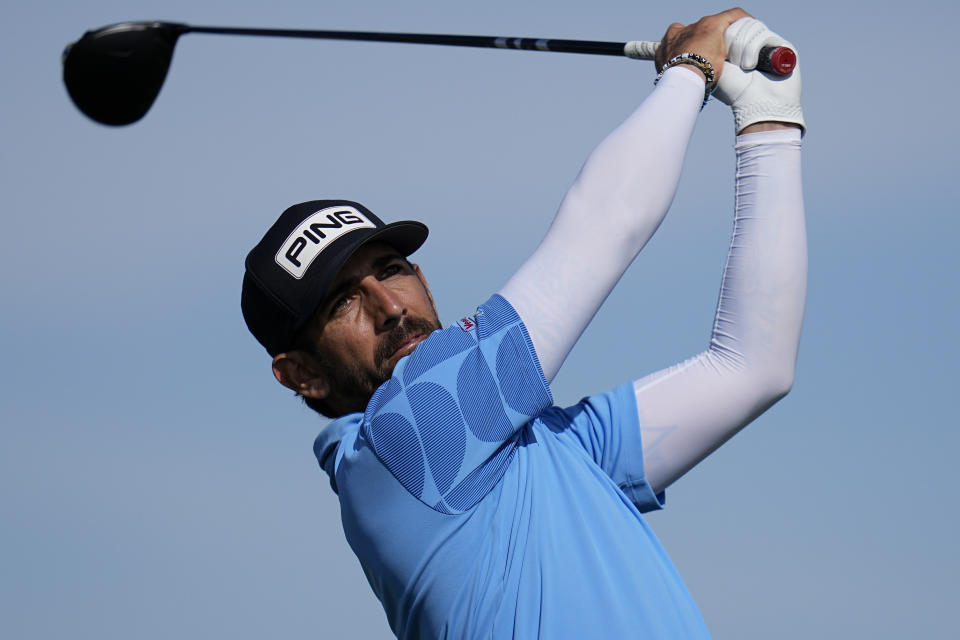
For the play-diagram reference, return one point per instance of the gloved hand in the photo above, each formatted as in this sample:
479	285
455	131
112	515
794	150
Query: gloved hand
753	95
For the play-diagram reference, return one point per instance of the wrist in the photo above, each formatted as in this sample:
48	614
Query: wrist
696	62
693	69
789	136
757	127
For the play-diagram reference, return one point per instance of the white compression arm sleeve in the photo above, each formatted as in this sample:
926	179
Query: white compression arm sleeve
613	208
690	409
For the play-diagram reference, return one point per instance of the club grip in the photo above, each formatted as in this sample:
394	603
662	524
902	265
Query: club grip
779	61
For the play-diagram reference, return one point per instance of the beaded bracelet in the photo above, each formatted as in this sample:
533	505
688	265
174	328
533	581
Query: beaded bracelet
694	60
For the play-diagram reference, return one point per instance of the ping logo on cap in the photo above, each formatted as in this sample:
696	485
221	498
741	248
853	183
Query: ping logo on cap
315	234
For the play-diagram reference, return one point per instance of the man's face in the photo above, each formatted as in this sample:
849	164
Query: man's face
377	311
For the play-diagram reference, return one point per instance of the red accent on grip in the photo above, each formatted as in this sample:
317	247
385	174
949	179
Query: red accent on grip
777	60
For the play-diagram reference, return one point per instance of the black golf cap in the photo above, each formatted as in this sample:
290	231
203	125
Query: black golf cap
290	270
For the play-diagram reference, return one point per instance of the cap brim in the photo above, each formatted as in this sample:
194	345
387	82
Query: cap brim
406	236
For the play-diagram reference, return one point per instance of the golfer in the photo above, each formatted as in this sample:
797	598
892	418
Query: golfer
477	508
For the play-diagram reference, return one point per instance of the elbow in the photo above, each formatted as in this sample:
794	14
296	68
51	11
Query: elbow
756	384
765	378
774	384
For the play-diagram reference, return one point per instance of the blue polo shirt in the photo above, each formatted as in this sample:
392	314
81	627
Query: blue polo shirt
479	510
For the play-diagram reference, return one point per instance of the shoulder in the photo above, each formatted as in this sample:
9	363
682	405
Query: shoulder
474	360
446	422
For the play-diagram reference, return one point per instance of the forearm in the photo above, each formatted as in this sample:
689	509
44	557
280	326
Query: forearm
690	409
613	208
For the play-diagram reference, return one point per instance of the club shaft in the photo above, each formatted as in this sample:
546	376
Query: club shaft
493	42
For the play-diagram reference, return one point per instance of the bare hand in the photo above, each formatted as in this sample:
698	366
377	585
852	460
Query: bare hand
703	37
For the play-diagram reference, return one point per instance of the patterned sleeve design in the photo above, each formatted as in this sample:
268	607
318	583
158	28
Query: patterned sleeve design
447	423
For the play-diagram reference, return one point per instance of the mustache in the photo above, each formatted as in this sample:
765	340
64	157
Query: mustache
400	334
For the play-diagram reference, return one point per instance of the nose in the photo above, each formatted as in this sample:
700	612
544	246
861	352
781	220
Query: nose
384	304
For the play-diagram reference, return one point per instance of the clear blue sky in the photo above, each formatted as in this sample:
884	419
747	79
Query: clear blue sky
155	482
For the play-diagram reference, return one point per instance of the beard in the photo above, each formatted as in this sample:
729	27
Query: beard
352	386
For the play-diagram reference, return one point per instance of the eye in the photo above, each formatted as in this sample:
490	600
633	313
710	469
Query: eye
341	304
392	269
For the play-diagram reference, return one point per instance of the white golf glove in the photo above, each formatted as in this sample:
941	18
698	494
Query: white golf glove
755	96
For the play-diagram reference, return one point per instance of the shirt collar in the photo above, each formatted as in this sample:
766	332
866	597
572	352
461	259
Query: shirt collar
326	444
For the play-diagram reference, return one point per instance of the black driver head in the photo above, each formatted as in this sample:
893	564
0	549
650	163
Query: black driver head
114	74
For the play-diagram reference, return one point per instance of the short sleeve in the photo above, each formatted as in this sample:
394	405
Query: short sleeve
447	423
606	426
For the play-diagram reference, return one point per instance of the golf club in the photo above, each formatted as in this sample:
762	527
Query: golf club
113	74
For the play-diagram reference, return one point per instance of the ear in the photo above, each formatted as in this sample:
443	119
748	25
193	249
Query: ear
295	370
